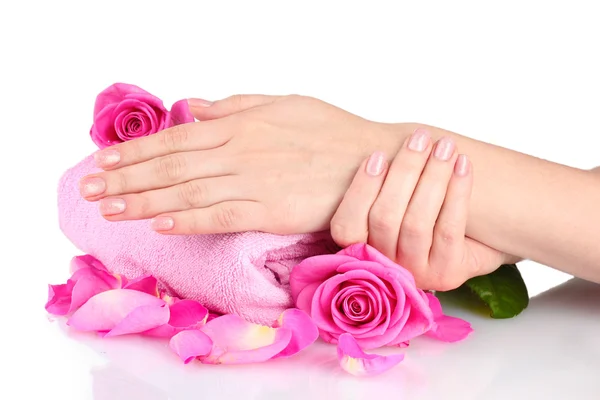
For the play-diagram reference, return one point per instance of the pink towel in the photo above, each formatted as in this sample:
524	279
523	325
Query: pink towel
246	274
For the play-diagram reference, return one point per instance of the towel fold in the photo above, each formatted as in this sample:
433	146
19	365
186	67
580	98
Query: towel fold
243	273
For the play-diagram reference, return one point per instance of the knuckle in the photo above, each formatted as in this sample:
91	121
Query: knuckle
192	194
170	168
379	218
344	235
414	228
226	218
448	233
175	138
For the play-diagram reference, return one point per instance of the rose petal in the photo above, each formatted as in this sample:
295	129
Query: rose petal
59	298
103	131
185	314
356	362
315	269
190	344
86	261
304	331
147	284
236	341
105	310
130	105
180	113
114	94
141	319
446	328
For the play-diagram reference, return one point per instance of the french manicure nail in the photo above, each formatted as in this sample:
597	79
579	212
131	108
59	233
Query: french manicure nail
375	164
419	140
444	149
462	166
162	223
107	158
199	103
112	206
92	186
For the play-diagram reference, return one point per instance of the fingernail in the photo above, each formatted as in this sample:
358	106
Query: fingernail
375	163
199	103
462	166
112	206
419	140
162	223
444	149
107	158
92	186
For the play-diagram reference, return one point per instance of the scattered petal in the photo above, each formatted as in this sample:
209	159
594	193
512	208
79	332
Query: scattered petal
141	319
304	331
147	284
107	309
236	341
185	314
356	362
59	298
190	344
446	328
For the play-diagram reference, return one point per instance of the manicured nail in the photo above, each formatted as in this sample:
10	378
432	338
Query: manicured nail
444	149
107	158
162	223
199	103
419	140
92	186
462	166
375	164
112	206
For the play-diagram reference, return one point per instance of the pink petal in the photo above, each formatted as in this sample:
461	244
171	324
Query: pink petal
446	328
86	261
106	310
59	298
236	341
180	113
315	270
190	344
114	94
356	362
85	288
147	284
141	319
304	331
185	314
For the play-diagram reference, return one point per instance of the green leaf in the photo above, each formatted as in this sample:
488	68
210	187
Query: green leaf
503	291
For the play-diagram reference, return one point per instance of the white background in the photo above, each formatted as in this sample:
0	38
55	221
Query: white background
521	74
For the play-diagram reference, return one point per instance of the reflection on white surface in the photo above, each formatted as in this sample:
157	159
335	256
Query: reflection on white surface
549	352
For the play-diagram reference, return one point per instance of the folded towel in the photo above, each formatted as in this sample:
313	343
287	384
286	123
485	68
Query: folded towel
245	273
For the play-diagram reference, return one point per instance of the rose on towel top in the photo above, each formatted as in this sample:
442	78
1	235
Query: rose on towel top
123	112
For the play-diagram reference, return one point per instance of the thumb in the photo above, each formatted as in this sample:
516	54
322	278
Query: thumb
204	110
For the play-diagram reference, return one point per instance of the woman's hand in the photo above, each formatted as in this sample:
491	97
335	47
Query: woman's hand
415	212
273	164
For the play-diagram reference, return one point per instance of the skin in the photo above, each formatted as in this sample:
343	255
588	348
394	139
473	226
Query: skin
283	165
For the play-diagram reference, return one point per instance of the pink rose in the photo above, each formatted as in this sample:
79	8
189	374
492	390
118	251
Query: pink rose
123	112
361	292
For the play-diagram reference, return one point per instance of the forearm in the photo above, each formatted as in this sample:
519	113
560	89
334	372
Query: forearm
532	208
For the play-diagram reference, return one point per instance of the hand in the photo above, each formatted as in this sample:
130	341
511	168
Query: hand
415	212
273	164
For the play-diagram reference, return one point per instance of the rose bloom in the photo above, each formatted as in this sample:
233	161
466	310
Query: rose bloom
123	112
361	292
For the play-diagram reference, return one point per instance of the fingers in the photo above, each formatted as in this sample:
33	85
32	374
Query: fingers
205	110
416	230
198	193
230	216
449	231
153	174
387	213
350	223
186	137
